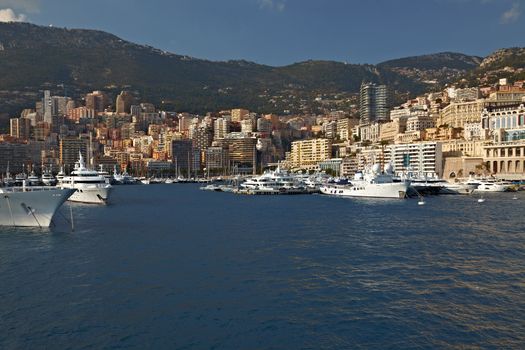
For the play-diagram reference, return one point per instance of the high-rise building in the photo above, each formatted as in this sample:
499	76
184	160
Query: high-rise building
47	106
239	114
264	125
124	102
307	154
69	149
246	125
182	155
14	155
20	128
374	103
424	159
221	127
184	122
242	151
217	158
202	138
96	100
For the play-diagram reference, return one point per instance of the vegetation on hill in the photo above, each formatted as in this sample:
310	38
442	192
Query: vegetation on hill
75	61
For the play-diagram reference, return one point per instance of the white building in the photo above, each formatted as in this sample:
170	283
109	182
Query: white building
474	131
221	127
505	123
422	159
246	126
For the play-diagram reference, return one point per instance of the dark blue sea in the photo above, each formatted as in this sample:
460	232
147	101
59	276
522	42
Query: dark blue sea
172	267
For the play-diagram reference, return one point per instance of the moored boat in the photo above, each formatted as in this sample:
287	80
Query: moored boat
31	205
371	183
91	187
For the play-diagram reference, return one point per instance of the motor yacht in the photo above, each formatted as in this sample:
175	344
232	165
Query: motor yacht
277	181
33	179
48	179
371	183
8	180
104	173
91	187
441	186
122	178
490	185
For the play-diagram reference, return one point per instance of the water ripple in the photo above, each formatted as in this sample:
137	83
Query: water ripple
174	267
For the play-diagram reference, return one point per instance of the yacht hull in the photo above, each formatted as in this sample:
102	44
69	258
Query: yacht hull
493	188
458	189
91	195
31	207
384	190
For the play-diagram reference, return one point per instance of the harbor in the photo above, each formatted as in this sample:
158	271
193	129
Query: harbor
230	270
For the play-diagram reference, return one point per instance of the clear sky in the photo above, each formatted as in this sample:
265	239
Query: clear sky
280	32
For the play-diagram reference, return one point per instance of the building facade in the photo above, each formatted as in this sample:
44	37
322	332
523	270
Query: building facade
423	159
307	154
373	103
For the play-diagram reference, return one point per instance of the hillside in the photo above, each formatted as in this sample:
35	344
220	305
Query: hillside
439	68
34	57
504	63
75	61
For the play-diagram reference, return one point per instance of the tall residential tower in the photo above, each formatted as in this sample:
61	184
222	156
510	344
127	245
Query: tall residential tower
374	103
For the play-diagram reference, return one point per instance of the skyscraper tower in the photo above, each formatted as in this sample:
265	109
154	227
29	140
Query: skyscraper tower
373	103
48	104
124	102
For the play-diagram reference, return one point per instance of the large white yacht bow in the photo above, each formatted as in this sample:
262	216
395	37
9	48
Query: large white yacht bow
30	205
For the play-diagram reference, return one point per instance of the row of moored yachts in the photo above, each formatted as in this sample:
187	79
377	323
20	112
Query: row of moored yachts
372	182
28	205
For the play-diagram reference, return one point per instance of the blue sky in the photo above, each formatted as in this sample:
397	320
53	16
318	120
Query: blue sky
280	32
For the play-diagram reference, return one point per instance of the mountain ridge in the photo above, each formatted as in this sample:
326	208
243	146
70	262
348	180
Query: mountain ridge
33	58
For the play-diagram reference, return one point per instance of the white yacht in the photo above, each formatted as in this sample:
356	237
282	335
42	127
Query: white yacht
123	178
441	186
48	179
104	173
31	205
371	183
90	186
8	179
20	178
33	179
274	182
490	185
